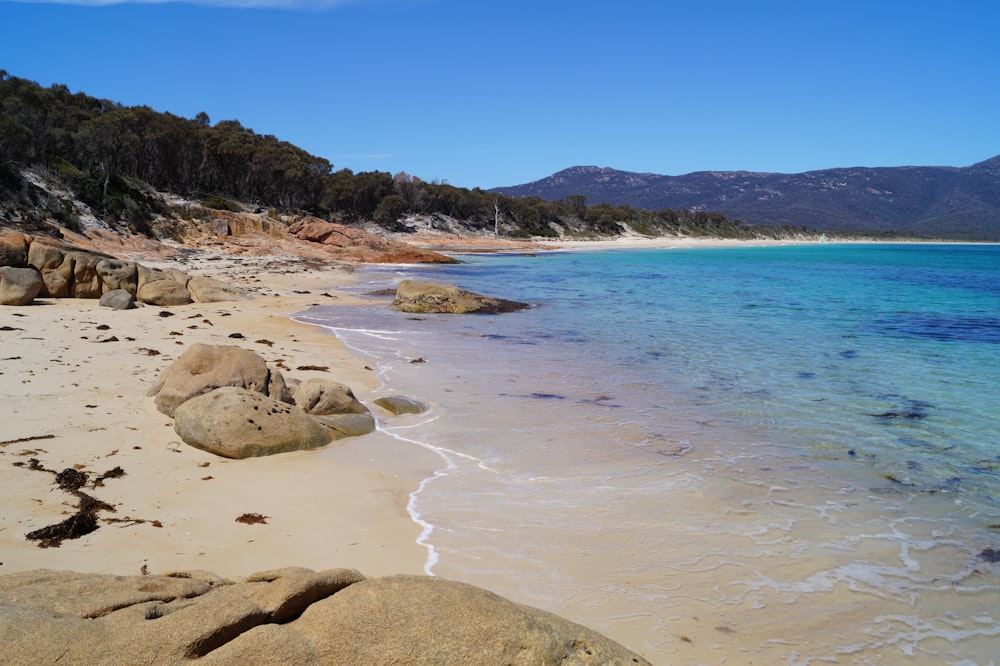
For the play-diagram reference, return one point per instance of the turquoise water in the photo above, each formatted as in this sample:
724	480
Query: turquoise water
782	431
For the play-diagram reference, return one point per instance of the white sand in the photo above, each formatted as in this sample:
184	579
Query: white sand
86	402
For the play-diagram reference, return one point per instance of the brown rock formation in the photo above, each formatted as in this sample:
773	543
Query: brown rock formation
13	249
420	296
322	397
69	272
359	245
204	368
288	616
19	286
237	423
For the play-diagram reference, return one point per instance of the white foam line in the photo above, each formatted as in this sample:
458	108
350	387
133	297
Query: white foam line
371	332
382	368
411	506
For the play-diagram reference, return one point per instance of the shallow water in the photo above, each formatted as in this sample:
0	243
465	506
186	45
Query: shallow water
741	455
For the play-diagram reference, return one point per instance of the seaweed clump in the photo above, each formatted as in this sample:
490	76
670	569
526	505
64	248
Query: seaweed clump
990	555
84	521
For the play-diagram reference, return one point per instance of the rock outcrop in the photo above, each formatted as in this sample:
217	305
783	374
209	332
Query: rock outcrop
203	368
237	423
227	400
68	272
420	296
322	397
287	616
359	245
13	249
19	286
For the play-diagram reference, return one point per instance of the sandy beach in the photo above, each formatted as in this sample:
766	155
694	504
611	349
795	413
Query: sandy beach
74	379
74	376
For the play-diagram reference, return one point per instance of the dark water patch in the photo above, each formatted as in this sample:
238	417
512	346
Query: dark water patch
806	375
601	400
848	353
535	396
889	416
965	328
917	443
990	555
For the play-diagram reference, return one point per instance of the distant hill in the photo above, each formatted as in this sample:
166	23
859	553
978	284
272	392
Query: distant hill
950	202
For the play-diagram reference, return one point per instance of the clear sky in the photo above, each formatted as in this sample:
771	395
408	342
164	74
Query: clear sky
484	93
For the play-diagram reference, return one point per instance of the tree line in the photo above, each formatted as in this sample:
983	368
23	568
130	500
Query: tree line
99	146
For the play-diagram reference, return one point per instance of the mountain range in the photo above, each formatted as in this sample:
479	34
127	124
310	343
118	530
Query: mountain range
941	202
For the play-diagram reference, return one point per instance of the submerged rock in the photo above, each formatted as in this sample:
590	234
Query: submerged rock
398	404
420	296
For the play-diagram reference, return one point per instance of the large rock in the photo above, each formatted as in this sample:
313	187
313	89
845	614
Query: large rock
164	293
288	616
162	287
322	396
116	274
118	299
19	286
56	270
210	290
203	368
13	249
86	279
423	620
237	423
420	296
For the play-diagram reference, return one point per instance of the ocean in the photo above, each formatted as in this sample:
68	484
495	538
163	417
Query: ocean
782	454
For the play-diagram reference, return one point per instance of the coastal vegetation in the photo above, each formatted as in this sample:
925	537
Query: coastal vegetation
117	159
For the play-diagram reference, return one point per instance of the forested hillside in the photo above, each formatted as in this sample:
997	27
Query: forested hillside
941	202
116	159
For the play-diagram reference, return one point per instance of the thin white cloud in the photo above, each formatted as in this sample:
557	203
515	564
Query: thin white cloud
313	5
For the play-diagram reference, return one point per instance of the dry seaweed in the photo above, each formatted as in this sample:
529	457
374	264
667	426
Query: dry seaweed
74	527
84	521
26	439
252	519
320	368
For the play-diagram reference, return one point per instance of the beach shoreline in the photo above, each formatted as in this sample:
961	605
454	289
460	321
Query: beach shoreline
74	378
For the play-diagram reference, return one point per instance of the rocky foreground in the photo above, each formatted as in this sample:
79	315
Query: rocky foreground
288	616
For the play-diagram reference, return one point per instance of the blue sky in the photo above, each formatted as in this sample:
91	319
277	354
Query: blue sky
483	93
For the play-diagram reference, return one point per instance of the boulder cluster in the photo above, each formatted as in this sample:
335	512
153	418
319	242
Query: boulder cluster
227	400
33	267
285	616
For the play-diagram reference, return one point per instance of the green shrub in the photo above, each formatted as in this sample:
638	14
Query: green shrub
220	203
